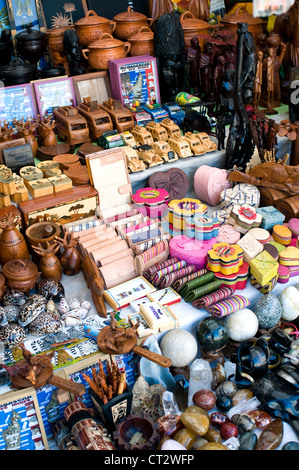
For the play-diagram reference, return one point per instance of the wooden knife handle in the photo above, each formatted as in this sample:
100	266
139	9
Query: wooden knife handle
152	356
67	385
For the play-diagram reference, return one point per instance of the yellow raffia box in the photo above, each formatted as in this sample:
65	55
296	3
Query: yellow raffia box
263	267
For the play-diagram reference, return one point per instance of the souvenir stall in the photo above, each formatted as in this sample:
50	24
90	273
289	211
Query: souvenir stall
149	224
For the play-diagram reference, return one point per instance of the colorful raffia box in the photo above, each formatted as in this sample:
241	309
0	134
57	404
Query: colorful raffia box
206	227
267	288
209	183
272	250
263	267
293	225
191	250
181	209
225	258
151	202
166	296
236	280
282	234
222	215
283	274
277	245
289	256
228	234
270	217
159	317
260	234
41	187
241	193
244	217
250	246
61	183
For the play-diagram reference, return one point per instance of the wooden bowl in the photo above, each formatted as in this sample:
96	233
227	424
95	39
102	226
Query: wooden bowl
42	232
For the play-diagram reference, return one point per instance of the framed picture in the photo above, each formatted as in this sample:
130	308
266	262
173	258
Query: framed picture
17	102
121	295
166	296
53	93
94	85
4	20
59	13
21	425
25	12
134	78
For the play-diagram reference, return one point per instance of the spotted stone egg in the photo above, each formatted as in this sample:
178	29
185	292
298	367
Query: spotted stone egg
35	305
45	323
50	288
12	334
14	297
12	313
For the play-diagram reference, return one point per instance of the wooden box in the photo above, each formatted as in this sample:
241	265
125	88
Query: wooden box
18	157
61	183
67	206
9	144
4	200
41	187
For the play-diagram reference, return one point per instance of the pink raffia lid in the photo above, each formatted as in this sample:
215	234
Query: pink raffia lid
191	250
209	182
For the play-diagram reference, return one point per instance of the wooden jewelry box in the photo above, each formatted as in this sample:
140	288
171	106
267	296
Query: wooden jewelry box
66	206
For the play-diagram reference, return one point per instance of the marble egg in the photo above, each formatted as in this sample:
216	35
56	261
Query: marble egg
241	325
11	313
14	297
289	300
268	311
45	323
180	346
12	334
171	444
35	305
212	333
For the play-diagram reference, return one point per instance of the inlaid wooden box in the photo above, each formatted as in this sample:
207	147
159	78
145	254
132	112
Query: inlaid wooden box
67	206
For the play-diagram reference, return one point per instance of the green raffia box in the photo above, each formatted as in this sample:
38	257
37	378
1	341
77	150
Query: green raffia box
263	268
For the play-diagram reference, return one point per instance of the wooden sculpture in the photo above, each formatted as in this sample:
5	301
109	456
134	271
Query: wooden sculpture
46	136
70	258
49	265
95	283
37	371
114	339
26	129
6	132
257	90
12	242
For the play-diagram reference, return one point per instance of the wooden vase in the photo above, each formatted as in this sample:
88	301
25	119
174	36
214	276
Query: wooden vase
12	242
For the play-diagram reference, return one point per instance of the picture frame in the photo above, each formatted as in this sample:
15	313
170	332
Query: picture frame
4	20
21	424
95	85
17	102
120	296
22	13
167	296
53	93
56	11
134	78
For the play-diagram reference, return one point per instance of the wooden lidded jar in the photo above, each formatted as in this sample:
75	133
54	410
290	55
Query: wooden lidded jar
91	27
107	48
241	15
21	274
129	22
12	242
193	27
142	42
55	39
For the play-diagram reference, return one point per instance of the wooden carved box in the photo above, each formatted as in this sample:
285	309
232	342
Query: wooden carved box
66	206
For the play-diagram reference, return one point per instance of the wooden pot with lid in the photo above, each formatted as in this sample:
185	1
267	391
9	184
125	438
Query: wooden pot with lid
142	42
21	274
193	27
107	48
91	27
129	22
241	15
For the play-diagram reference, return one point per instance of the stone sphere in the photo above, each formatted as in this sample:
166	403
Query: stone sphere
268	311
204	398
171	444
212	333
289	300
180	346
241	325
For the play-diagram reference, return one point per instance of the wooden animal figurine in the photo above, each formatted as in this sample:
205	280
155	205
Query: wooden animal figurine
26	129
12	242
46	136
49	265
6	132
70	259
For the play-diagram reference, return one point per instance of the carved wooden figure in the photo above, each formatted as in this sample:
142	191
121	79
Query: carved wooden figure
258	80
70	258
45	131
26	129
49	265
95	283
12	242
